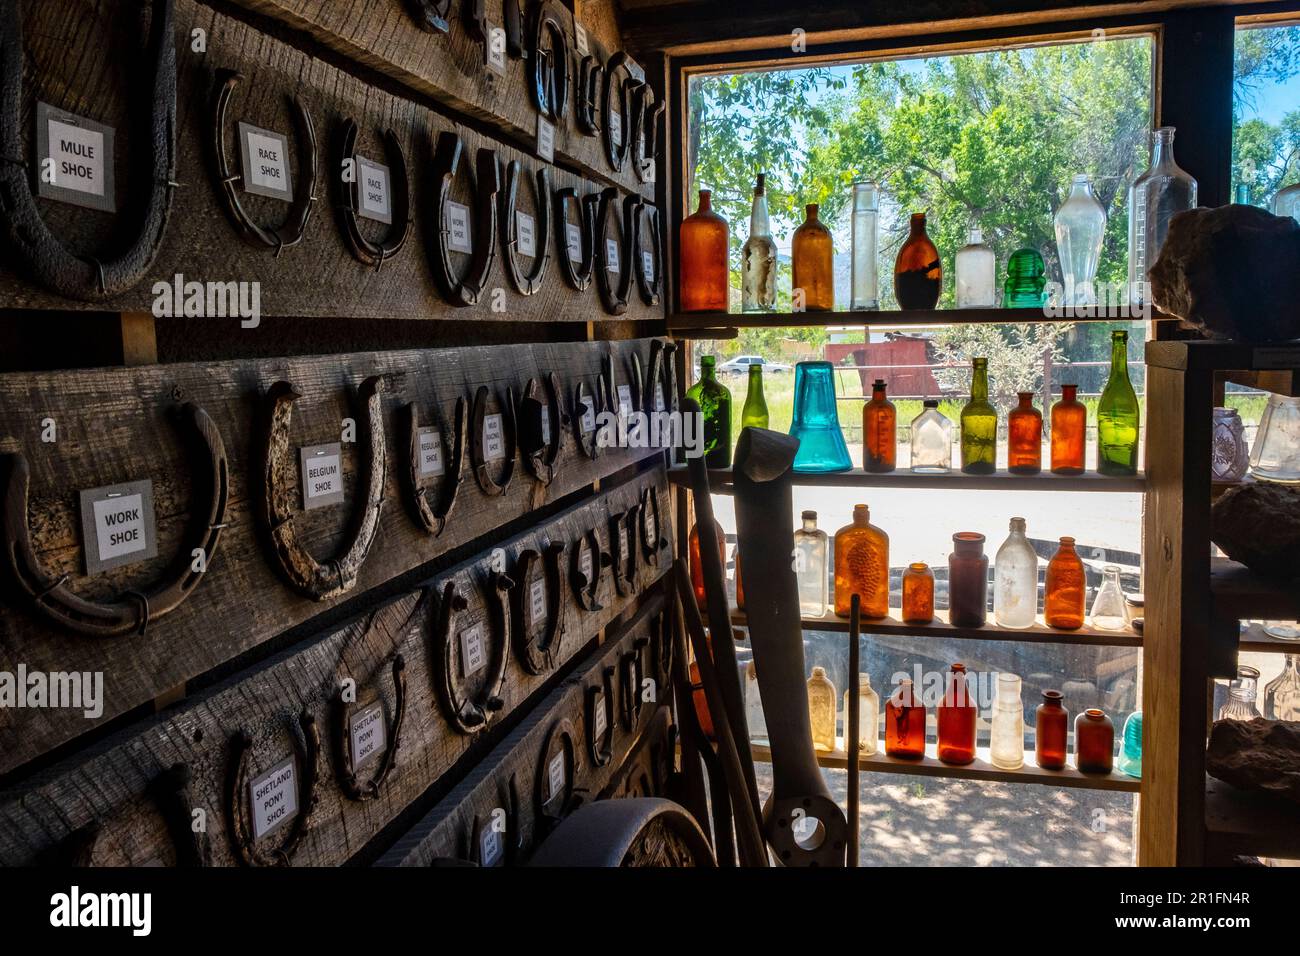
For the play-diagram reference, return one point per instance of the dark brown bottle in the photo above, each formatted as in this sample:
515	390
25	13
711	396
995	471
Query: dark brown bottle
1051	731
956	718
1094	742
968	580
918	273
904	723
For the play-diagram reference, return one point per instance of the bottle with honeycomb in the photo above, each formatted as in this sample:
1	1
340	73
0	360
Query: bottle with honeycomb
862	566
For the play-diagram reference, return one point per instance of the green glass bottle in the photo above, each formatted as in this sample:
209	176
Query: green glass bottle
979	425
1118	415
755	410
714	400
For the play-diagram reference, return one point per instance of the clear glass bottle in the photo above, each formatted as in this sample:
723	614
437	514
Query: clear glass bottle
976	268
1025	437
702	259
904	722
754	716
918	593
1007	725
1065	588
868	716
918	273
1130	748
1118	415
1282	693
1242	692
931	440
979	425
968	580
714	400
1287	202
864	293
1080	228
1026	283
1275	456
812	254
810	545
1015	580
754	411
879	431
1153	199
821	709
956	718
862	566
758	257
1229	457
1108	611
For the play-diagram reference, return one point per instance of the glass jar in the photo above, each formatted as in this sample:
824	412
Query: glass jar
816	421
1275	455
1118	415
1015	580
918	273
753	414
821	710
879	431
758	257
1282	693
862	566
697	569
1065	589
1007	726
976	273
864	286
754	716
1229	457
868	716
968	580
702	260
1026	281
1069	433
714	400
931	441
1130	748
1108	609
1080	226
1094	742
956	718
904	723
1242	691
810	547
1025	437
812	254
1154	198
918	594
979	424
1051	734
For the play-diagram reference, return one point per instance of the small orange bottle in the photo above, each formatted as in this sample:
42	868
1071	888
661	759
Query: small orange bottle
1069	432
1065	589
697	571
812	256
918	594
1025	437
879	431
862	566
956	718
704	285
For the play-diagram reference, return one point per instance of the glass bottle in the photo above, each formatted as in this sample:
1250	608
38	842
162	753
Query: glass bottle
931	440
864	294
968	580
904	722
1026	281
1118	415
1108	611
956	718
821	710
816	421
1069	433
754	411
1007	725
1130	748
868	716
1051	735
1287	202
918	273
862	566
812	253
702	261
1080	228
810	566
1275	456
754	716
714	400
697	693
1282	693
697	568
979	425
1242	691
1025	437
918	594
976	269
1065	589
1015	579
1229	457
879	431
1153	199
1094	742
758	257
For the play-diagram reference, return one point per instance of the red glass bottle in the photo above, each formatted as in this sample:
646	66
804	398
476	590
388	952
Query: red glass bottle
904	723
968	580
879	431
1065	589
697	571
1069	433
1051	731
1094	742
1025	437
956	718
704	285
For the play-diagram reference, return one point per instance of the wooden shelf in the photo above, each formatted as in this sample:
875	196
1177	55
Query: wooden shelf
720	481
1187	356
1240	823
1239	593
881	318
1254	639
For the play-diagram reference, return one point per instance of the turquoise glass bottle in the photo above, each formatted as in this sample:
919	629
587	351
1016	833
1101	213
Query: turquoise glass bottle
714	400
1026	284
979	425
1118	415
1130	752
816	422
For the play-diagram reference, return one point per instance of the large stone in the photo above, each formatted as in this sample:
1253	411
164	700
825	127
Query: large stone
1261	755
1258	524
1232	273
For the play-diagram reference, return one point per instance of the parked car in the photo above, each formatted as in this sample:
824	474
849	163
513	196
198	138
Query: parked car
741	363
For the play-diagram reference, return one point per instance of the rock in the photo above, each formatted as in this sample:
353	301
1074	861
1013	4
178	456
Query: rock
1261	755
1258	524
1231	272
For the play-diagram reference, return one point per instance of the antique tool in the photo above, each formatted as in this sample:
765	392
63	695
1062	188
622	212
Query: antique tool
465	714
433	517
171	793
526	283
599	700
48	261
432	16
312	578
132	611
637	831
586	583
585	427
649	280
853	733
646	114
652	539
591	74
541	427
353	788
554	778
290	232
307	750
577	274
485	183
364	250
551	70
493	487
622	75
613	285
801	821
536	651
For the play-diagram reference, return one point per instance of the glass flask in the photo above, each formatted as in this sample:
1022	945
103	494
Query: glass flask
812	253
702	262
976	269
810	566
1080	228
1026	282
1283	630
1007	725
1051	731
968	580
918	593
821	710
1094	742
1108	611
1153	199
816	422
879	431
1242	691
1025	437
1130	748
1118	415
697	569
754	411
1069	433
1275	455
931	440
904	722
758	257
1287	202
714	400
1015	579
1229	457
864	287
956	718
862	566
1282	693
979	425
868	716
754	717
1065	589
918	273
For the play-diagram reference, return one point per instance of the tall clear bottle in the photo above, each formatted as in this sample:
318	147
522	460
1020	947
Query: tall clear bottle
821	709
865	294
1015	579
754	411
977	273
1080	228
1007	727
1153	199
810	547
931	440
868	716
758	257
1118	415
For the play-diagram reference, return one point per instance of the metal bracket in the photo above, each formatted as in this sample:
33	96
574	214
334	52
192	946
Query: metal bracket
485	183
433	518
586	590
490	486
540	454
552	72
307	751
577	274
347	774
466	715
526	283
600	747
364	250
537	654
613	297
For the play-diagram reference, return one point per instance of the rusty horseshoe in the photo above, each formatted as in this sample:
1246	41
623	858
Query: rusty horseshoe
369	252
526	283
536	651
541	427
353	788
479	443
584	576
468	715
433	517
485	184
307	751
577	272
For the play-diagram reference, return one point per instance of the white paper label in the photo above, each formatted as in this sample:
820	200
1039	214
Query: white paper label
546	424
494	443
274	797
472	656
489	846
611	256
117	525
120	526
322	475
648	524
545	139
573	239
660	404
616	127
537	602
588	417
266	163
624	401
555	775
584	564
496	48
366	729
648	265
78	155
458	234
430	452
372	191
580	38
600	722
622	541
525	234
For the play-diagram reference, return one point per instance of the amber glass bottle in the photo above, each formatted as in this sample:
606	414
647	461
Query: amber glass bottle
918	274
1025	437
879	431
1064	589
862	566
918	594
1094	742
1051	731
956	718
703	259
697	570
1069	433
968	580
812	253
697	692
904	723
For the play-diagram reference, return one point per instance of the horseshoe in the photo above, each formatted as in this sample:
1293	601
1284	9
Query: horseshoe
541	428
171	793
648	286
465	715
131	612
511	846
307	751
657	392
585	588
352	788
600	746
634	76
582	396
509	432
431	16
291	231
48	260
525	283
622	551
77	849
364	250
552	807
645	127
652	541
613	295
661	634
577	274
311	578
485	183
433	518
551	69
631	672
591	74
538	656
